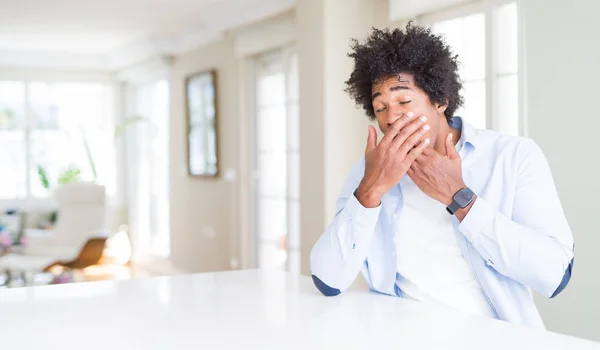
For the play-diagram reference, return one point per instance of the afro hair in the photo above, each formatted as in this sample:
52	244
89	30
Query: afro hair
417	51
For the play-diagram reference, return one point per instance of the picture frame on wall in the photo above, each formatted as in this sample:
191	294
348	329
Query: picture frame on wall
202	132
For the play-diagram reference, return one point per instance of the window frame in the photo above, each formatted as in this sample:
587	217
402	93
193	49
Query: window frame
488	7
284	54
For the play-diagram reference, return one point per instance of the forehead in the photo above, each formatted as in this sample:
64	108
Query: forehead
405	79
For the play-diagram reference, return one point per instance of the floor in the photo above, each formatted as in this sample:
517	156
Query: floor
102	272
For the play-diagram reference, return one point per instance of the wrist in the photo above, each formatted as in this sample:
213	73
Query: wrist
367	196
462	213
453	191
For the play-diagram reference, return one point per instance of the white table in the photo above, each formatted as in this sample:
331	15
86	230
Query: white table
244	310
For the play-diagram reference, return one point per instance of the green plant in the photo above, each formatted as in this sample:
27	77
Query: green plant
68	176
43	176
72	174
53	217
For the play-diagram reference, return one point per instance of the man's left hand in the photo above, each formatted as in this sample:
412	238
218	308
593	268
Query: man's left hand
438	176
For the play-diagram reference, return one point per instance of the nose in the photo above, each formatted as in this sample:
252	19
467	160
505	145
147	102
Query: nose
394	114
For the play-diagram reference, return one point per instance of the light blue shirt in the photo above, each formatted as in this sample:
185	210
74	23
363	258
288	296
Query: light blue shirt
515	237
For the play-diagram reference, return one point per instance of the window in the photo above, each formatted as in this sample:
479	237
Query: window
277	213
148	160
486	41
56	126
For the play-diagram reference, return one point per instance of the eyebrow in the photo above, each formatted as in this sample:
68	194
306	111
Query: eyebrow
393	88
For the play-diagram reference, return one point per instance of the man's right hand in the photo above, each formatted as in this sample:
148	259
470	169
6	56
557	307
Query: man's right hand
388	162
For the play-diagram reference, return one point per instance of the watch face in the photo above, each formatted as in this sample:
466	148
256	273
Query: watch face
463	197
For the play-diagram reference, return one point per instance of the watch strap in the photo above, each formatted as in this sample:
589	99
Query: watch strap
453	207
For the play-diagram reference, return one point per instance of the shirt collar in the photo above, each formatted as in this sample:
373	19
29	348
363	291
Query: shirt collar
468	134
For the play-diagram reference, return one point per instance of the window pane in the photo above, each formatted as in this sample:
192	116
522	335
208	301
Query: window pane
69	106
293	127
149	167
159	217
12	163
159	145
508	104
292	79
272	219
271	133
272	168
44	107
506	39
466	37
293	175
12	105
473	110
68	120
277	143
271	90
293	236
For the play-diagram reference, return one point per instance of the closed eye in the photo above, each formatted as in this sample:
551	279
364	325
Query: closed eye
405	102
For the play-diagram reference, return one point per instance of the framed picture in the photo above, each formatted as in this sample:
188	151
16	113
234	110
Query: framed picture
202	133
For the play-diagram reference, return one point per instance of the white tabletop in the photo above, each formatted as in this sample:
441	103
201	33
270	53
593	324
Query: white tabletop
244	310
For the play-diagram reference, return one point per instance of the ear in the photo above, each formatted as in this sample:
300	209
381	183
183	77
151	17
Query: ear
441	107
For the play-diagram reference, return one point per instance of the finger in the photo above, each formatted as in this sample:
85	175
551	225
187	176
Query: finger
371	139
396	127
418	126
450	148
417	151
430	152
426	156
413	139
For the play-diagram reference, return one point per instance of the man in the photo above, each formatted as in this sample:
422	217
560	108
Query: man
438	211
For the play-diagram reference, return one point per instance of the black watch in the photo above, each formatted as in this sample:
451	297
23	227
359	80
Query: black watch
461	200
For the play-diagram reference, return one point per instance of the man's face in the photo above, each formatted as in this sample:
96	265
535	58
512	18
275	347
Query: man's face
396	96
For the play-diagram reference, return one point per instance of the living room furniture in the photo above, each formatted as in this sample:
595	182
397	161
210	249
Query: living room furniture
78	235
251	309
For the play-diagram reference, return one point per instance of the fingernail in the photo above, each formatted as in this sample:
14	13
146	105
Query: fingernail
451	136
426	127
423	118
427	141
409	115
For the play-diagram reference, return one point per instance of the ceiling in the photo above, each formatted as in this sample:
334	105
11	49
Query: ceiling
100	31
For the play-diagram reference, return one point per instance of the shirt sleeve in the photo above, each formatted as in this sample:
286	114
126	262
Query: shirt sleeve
340	252
535	245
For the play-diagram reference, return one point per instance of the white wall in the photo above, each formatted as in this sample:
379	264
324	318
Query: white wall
562	68
210	218
204	211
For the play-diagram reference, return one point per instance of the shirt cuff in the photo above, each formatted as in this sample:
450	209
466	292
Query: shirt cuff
478	217
361	215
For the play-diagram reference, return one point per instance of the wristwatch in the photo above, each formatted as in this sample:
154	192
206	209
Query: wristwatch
461	200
